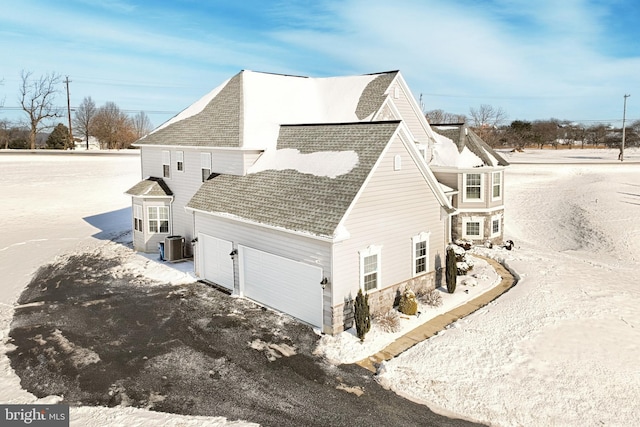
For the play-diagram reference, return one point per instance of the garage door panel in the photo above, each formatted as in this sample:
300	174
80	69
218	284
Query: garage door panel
216	264
283	284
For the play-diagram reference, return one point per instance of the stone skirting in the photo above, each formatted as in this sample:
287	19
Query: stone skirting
457	223
380	301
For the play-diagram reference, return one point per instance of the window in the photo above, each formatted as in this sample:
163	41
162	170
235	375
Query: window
166	164
180	160
205	165
370	268
397	162
137	217
495	225
420	253
158	219
473	186
472	229
497	185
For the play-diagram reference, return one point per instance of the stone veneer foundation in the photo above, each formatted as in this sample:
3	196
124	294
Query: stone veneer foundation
381	301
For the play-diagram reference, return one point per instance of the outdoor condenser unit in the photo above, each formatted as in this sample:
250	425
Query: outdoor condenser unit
173	248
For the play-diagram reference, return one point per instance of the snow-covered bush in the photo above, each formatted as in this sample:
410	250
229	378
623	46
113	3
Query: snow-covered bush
408	303
389	321
432	298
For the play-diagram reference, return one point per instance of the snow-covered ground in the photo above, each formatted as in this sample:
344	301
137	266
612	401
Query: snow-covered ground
561	348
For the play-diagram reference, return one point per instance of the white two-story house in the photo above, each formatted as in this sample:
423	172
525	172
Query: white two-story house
296	192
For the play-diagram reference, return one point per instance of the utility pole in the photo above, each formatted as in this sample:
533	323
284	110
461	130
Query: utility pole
71	142
624	114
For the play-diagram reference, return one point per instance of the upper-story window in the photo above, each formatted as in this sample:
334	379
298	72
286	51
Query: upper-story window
180	161
472	186
166	164
205	165
496	178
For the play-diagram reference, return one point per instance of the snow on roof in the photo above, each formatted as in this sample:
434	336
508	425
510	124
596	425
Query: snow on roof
272	99
323	163
445	153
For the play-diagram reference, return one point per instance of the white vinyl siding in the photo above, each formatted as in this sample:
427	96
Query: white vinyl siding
420	245
180	161
393	206
496	187
205	165
158	219
166	164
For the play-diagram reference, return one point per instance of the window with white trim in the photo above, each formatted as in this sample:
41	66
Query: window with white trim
496	178
180	161
205	165
473	186
420	245
495	225
166	164
370	262
137	218
472	228
158	218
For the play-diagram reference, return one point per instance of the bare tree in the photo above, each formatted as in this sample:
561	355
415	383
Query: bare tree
84	117
596	134
441	117
113	128
36	99
4	133
487	116
141	124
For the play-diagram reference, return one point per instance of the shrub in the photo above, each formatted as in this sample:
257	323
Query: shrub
408	303
451	273
389	321
362	315
432	298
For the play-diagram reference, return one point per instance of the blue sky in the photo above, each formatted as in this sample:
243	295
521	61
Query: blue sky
569	59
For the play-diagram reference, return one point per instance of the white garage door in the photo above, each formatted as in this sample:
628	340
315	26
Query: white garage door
281	283
216	264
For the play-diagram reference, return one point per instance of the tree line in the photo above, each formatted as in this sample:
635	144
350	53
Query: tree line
112	127
489	123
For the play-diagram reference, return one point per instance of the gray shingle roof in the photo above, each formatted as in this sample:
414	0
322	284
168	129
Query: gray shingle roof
152	187
217	125
297	201
471	140
373	95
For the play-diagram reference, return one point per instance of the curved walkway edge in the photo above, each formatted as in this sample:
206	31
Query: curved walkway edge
439	323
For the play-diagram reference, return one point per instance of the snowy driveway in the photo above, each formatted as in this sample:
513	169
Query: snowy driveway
92	338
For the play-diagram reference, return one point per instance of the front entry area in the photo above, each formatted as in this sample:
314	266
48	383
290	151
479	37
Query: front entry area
284	284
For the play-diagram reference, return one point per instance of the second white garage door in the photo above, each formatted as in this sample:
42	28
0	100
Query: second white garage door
281	283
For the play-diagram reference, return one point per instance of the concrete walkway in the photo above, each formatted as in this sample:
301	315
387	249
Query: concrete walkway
438	323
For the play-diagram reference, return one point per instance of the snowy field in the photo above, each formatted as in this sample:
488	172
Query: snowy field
561	348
